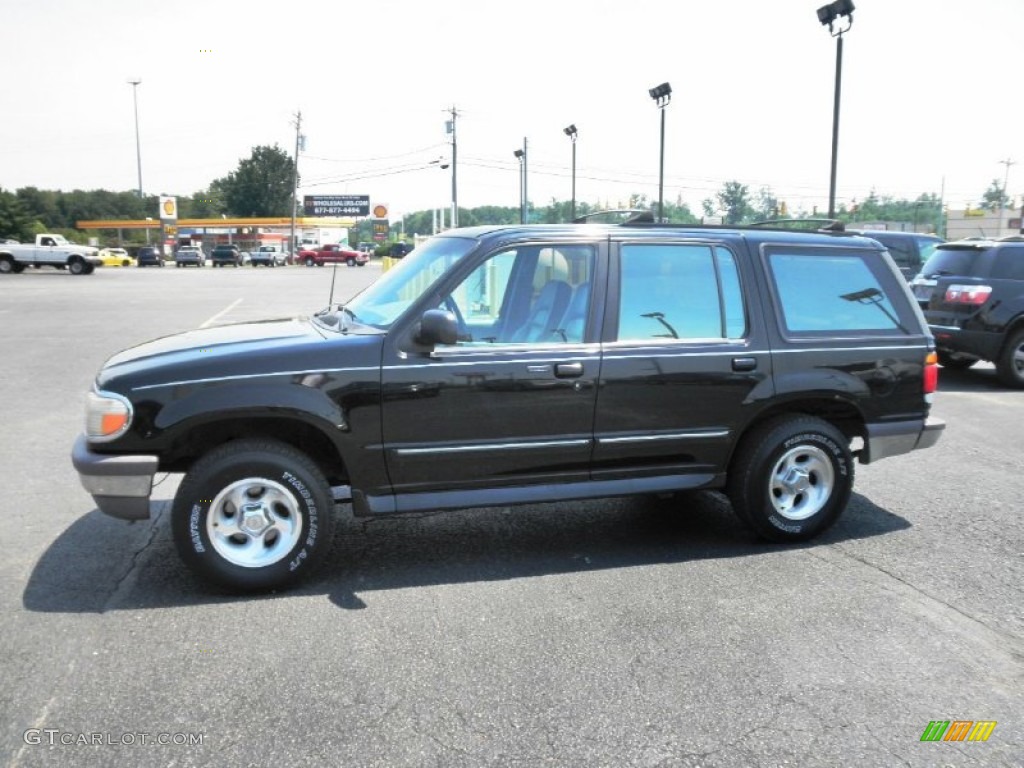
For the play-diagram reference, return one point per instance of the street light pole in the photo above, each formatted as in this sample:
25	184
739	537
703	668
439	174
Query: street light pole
521	157
662	95
828	14
571	133
138	148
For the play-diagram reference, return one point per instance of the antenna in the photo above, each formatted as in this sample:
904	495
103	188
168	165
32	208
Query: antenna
330	299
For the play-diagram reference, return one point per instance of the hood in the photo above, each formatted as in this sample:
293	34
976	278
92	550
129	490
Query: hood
245	349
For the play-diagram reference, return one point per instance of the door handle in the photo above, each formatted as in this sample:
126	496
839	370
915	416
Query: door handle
742	364
568	370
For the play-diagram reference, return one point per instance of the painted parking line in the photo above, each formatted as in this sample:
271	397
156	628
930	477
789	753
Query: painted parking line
221	314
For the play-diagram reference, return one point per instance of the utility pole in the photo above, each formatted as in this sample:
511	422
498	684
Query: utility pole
1004	202
455	193
295	178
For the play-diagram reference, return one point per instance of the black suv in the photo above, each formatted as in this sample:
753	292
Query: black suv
149	256
224	253
910	250
972	294
520	364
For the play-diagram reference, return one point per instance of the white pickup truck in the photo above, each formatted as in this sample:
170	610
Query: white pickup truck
49	251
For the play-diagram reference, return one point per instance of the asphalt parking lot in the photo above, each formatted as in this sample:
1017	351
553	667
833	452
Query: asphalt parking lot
639	632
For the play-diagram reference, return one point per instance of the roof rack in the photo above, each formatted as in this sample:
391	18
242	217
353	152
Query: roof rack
627	215
814	225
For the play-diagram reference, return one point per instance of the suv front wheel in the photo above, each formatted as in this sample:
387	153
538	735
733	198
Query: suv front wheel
791	478
253	515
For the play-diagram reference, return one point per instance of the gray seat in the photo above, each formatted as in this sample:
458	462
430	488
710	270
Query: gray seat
573	321
546	311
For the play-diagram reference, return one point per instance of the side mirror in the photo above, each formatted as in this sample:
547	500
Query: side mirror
438	326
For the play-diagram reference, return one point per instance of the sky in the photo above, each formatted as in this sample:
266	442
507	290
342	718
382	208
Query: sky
930	97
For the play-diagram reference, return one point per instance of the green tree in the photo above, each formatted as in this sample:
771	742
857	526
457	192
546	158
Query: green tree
15	223
766	206
734	199
260	186
994	198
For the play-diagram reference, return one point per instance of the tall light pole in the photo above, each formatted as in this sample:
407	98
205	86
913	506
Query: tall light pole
521	157
138	148
571	133
828	15
662	95
1005	201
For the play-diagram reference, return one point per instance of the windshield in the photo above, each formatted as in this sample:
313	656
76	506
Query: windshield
384	301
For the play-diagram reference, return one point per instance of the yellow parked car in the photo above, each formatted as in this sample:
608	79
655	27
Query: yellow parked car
116	257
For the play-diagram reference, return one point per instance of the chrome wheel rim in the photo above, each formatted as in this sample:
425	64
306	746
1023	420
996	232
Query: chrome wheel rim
801	482
1018	360
254	522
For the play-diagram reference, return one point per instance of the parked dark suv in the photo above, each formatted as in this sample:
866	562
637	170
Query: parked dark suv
519	364
149	256
972	294
226	254
910	250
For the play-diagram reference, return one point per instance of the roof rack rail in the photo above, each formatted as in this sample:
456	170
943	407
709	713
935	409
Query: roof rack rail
627	215
815	225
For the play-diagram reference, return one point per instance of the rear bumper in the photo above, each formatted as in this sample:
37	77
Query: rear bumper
983	344
120	485
893	439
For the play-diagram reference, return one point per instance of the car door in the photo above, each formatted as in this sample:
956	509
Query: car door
683	356
511	403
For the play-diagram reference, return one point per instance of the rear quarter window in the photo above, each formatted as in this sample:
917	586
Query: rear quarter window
833	291
1009	263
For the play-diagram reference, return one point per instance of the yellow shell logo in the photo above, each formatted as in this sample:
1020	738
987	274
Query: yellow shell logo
380	211
168	207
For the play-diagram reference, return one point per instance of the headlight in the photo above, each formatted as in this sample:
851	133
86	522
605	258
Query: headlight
106	416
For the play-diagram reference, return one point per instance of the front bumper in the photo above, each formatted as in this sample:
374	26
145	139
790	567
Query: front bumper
120	485
892	439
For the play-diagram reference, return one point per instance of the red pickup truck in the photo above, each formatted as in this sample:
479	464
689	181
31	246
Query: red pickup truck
333	254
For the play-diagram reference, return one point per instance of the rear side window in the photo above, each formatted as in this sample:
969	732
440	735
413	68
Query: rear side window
680	291
828	292
1009	263
950	261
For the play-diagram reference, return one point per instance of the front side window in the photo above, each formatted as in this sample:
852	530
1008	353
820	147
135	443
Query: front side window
528	294
830	291
679	291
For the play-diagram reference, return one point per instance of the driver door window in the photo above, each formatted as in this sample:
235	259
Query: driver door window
530	294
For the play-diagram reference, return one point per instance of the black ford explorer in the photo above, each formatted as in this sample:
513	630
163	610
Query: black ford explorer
504	365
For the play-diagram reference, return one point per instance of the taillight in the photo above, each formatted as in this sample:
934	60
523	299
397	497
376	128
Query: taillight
974	295
931	373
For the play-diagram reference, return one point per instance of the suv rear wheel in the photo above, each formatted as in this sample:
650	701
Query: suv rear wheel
1010	365
791	478
253	515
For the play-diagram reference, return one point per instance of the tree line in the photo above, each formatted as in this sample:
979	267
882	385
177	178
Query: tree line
262	184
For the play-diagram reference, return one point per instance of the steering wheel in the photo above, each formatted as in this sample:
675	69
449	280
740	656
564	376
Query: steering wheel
460	321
